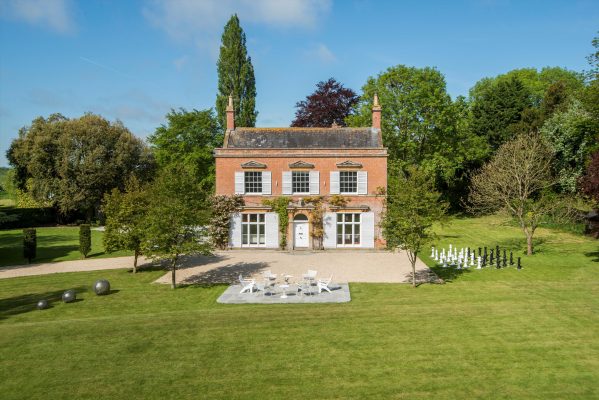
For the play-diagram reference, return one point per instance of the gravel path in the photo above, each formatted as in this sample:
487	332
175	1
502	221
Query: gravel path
344	266
225	266
92	264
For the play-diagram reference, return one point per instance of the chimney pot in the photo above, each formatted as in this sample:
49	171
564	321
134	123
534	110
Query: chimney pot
230	114
376	113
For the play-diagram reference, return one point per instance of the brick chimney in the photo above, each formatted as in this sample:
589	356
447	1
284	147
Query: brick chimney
230	115
376	113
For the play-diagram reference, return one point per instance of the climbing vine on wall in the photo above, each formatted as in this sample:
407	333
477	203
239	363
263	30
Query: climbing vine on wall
317	219
222	208
279	205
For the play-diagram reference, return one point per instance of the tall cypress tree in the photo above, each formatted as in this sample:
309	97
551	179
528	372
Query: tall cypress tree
236	77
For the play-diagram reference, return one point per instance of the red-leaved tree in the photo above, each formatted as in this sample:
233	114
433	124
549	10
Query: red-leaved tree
330	103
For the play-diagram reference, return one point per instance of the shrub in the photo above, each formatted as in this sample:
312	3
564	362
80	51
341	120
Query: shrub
29	244
279	205
222	208
85	239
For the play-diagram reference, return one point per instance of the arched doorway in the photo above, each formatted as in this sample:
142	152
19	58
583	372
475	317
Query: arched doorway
300	231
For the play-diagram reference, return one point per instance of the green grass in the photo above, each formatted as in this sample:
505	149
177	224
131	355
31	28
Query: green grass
53	244
499	334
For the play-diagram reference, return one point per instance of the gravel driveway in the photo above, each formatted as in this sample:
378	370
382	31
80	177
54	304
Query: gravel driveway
344	266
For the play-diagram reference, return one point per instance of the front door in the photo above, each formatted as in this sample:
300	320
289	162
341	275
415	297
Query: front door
300	234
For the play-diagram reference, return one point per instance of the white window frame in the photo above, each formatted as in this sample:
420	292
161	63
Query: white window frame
354	227
259	223
245	182
340	182
293	174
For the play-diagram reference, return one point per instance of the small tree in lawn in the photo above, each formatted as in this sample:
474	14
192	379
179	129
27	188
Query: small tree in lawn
518	180
85	239
589	182
29	244
177	218
124	216
412	207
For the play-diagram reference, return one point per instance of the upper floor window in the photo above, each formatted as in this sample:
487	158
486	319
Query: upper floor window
348	181
300	182
253	182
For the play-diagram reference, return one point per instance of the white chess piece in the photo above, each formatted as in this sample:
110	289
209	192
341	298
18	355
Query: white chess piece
436	255
450	248
472	259
478	260
444	263
432	251
459	264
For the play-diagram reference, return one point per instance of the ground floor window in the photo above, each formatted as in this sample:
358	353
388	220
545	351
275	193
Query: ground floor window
348	229
252	229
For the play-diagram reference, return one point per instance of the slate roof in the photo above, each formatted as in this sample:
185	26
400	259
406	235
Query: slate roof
304	138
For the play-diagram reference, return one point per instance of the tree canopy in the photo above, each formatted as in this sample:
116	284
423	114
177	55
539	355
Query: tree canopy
72	163
235	77
331	103
188	138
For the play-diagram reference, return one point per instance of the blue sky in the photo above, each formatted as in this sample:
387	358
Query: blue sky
135	60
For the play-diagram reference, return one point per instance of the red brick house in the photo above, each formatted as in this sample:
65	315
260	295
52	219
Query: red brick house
262	163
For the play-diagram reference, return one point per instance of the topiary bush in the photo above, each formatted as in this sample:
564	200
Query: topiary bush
85	239
29	244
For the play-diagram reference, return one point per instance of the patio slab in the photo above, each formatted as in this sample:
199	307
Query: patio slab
339	294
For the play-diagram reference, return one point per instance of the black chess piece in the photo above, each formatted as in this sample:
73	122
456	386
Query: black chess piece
504	258
511	258
519	265
485	260
497	253
480	254
491	259
468	253
498	260
485	251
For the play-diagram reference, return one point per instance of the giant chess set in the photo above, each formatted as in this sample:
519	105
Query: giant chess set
468	258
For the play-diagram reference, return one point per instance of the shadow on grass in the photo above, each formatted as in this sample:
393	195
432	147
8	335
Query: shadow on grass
449	274
28	302
594	255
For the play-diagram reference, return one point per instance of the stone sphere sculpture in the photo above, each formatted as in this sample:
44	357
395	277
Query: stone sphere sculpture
102	287
69	296
42	304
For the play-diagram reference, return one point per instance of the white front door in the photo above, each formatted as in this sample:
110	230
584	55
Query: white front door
300	234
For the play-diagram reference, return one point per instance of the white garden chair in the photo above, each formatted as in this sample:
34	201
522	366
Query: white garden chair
311	274
247	284
268	275
323	284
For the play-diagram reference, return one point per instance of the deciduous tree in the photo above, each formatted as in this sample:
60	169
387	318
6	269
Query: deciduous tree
331	103
188	138
125	213
176	223
235	77
518	180
412	207
71	163
590	179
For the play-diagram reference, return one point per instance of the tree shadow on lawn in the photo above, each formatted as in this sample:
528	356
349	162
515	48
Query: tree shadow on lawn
448	274
594	254
28	302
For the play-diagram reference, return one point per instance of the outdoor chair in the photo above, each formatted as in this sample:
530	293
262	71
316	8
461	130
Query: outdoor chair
246	284
268	275
264	287
311	274
323	284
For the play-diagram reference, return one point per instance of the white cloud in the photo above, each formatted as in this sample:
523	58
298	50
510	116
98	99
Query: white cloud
204	19
321	53
53	14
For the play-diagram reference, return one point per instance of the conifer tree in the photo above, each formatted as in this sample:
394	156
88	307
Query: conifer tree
235	77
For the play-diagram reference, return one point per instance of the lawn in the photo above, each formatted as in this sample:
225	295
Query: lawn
53	244
484	334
